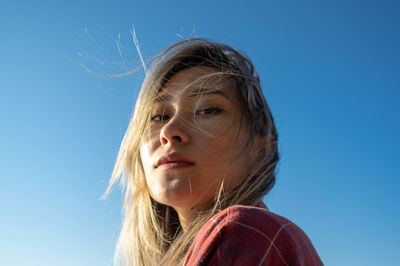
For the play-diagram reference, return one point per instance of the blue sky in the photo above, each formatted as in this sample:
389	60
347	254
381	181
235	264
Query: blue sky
330	72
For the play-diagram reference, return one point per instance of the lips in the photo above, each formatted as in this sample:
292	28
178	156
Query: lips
173	160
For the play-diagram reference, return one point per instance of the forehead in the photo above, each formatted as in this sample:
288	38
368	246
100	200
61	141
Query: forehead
196	81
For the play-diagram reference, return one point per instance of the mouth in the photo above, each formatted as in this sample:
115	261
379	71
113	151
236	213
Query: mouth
173	161
174	165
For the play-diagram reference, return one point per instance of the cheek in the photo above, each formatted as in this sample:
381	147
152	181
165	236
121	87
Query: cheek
229	157
214	129
147	163
145	156
216	155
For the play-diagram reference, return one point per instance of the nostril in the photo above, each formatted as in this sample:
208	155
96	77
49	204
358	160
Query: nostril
177	138
164	141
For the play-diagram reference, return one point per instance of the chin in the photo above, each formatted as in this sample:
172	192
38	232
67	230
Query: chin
179	201
172	197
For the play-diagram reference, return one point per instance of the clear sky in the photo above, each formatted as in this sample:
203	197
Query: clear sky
330	72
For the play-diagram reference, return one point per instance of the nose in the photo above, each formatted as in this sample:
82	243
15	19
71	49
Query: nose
174	132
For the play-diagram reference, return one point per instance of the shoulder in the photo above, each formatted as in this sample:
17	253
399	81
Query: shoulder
242	235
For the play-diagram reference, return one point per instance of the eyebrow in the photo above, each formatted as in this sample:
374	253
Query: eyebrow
163	98
201	91
194	93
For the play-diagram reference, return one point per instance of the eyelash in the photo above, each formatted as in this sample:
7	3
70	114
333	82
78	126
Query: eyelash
159	117
210	111
207	111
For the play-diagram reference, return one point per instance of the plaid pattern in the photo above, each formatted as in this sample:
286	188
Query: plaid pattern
243	235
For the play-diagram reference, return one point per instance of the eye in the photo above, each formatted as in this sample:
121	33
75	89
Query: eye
159	117
210	111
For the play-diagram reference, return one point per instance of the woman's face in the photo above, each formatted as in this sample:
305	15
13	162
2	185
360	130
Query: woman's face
195	140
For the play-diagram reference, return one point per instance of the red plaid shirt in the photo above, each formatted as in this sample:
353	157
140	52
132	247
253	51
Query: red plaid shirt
243	235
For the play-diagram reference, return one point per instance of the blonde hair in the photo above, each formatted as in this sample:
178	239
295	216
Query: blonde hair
151	233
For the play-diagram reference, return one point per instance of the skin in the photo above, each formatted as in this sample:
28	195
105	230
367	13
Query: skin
203	128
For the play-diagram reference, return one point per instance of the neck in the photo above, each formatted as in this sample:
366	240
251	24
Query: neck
186	216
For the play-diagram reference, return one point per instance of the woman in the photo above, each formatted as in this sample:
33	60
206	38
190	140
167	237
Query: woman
197	159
